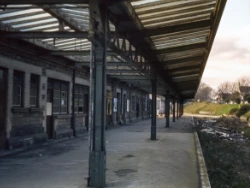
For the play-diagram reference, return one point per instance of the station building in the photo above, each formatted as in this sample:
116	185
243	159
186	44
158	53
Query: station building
36	101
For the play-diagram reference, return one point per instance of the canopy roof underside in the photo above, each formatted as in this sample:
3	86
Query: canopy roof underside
176	37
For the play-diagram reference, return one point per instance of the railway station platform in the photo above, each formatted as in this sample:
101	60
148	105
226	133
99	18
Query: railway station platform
133	160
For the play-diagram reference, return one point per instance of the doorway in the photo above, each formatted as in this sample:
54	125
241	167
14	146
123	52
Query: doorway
3	89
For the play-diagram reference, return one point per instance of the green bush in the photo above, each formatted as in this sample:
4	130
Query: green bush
243	109
248	99
238	100
248	118
233	111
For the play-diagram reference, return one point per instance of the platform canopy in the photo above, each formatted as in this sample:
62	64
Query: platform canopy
172	37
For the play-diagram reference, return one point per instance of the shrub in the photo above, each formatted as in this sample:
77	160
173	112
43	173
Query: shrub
237	100
233	111
243	109
248	118
248	99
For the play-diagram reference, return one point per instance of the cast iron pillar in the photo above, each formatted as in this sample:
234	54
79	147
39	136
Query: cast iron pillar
173	110
97	35
177	109
167	108
153	117
73	120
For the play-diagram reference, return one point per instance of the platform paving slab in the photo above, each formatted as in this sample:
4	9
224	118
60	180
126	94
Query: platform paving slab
133	160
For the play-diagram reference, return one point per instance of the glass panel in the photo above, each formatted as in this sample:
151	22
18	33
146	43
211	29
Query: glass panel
56	94
56	85
64	101
81	90
17	95
33	91
18	78
34	80
33	101
64	87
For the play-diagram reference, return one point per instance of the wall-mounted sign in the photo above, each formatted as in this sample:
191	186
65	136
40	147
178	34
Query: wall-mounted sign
115	105
49	109
127	105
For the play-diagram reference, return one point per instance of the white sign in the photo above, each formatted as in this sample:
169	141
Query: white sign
49	109
115	105
127	105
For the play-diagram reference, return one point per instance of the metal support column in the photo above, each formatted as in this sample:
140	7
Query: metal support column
167	108
153	117
173	110
97	35
73	121
177	109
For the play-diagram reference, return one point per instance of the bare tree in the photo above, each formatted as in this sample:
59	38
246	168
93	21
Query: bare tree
204	92
244	87
229	91
235	92
224	90
244	81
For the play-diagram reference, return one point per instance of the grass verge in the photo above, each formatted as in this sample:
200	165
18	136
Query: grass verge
213	108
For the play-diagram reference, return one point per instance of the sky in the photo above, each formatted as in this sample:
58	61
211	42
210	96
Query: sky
230	55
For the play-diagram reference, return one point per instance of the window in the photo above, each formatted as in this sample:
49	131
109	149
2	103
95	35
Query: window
18	79
81	99
34	85
78	99
60	96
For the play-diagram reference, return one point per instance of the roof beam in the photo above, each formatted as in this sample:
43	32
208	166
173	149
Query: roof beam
83	53
110	64
187	74
131	77
41	2
186	78
183	60
183	10
69	22
43	7
122	71
184	68
132	27
181	48
39	35
178	28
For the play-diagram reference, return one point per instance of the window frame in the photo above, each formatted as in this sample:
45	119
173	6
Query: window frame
36	86
20	85
60	87
79	99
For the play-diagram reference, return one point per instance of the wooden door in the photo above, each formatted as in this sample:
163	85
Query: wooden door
3	89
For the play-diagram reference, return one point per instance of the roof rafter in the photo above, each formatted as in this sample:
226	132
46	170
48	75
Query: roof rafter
184	60
177	28
182	48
